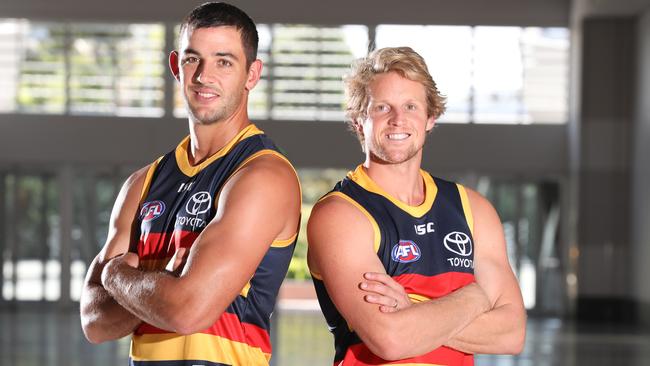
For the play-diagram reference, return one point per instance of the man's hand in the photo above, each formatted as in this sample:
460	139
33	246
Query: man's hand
384	291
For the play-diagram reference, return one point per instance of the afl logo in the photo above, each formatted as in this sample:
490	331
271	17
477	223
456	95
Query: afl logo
152	210
199	203
458	243
405	251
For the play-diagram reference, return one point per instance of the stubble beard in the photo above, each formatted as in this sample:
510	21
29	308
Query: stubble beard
219	113
378	153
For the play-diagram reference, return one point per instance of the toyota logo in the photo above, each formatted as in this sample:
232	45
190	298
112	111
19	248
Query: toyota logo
198	203
459	243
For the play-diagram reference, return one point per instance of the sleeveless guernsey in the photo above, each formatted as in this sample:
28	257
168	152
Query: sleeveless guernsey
178	201
427	249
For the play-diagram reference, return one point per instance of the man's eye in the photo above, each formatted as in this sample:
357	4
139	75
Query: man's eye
225	63
190	60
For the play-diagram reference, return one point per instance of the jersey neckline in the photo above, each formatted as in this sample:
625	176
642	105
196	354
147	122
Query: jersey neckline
361	177
182	151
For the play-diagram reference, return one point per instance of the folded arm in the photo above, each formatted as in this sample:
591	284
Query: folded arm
102	318
224	256
499	330
341	251
503	328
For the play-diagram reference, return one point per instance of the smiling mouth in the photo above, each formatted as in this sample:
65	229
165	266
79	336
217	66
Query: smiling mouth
398	136
206	94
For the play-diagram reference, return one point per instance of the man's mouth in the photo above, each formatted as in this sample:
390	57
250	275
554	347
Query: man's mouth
398	136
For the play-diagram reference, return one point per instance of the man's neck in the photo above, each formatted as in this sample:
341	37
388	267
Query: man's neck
402	181
206	140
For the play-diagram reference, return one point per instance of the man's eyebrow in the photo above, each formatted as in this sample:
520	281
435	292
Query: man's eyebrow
192	51
226	54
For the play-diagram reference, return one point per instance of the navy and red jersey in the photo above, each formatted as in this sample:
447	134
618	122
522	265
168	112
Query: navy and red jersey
178	201
427	249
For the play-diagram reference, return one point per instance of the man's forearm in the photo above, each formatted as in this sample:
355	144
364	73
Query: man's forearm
142	293
501	330
102	318
426	326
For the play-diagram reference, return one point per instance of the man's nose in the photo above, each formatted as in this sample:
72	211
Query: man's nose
205	74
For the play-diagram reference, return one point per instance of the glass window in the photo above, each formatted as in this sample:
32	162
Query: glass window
498	75
492	74
117	69
32	63
447	51
307	67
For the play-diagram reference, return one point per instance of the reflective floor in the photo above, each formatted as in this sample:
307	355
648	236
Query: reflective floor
36	338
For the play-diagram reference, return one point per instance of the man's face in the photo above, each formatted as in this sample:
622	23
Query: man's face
396	124
212	72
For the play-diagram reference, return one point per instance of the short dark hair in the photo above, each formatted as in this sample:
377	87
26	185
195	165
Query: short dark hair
213	14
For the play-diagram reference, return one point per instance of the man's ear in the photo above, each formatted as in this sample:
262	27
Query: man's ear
431	122
254	74
173	65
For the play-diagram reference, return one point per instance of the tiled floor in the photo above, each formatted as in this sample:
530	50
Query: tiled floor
37	338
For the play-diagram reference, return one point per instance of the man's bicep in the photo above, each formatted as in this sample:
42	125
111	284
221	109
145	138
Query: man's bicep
250	216
492	269
341	250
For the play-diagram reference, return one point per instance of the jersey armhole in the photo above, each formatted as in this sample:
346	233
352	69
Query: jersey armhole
148	178
467	209
373	222
277	243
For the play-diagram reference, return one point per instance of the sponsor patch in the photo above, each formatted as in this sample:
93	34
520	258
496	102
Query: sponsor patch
152	210
458	243
405	251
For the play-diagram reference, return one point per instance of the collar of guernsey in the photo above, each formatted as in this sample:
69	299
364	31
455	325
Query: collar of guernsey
360	176
182	151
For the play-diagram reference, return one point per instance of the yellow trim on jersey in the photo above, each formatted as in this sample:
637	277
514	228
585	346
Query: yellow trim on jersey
418	298
244	291
148	178
373	223
375	227
269	152
360	176
197	346
464	199
284	242
182	151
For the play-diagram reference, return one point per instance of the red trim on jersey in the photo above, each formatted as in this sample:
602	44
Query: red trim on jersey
434	286
227	326
151	245
360	355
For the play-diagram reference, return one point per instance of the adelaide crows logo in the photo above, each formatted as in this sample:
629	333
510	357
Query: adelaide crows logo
405	251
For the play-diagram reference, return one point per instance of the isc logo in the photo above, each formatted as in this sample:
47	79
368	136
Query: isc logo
405	251
152	210
424	228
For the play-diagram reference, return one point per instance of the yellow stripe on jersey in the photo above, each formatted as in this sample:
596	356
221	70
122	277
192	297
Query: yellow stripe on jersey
182	157
360	176
373	223
148	178
244	291
256	155
375	227
417	298
284	242
466	208
197	346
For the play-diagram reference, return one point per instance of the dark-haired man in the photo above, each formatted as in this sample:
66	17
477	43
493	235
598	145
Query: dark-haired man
409	269
194	259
